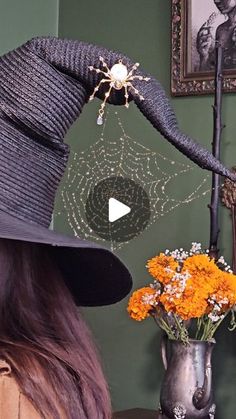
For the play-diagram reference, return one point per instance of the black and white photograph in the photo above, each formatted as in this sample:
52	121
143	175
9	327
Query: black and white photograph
198	26
211	21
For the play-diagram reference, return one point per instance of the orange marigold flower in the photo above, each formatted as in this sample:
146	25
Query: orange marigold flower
138	309
225	291
186	307
192	301
204	273
200	265
202	285
159	265
190	308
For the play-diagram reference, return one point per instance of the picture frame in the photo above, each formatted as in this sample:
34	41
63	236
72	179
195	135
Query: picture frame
195	25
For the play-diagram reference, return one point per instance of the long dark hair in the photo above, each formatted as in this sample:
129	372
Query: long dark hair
44	338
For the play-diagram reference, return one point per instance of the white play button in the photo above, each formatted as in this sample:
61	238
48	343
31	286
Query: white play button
117	210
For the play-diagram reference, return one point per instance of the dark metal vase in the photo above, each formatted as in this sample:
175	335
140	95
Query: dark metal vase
186	391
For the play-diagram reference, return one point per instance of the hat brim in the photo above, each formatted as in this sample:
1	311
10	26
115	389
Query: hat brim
95	276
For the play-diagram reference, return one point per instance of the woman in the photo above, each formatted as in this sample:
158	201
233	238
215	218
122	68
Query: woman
44	343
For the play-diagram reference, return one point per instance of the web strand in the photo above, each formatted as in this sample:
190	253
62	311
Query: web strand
158	175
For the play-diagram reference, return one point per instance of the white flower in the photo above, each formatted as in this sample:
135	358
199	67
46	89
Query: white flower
215	317
169	270
149	299
227	267
196	248
179	254
221	260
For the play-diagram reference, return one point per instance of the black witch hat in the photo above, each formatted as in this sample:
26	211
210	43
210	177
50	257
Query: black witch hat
43	86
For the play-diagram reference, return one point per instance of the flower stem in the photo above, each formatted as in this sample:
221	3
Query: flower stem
199	326
164	326
183	333
210	328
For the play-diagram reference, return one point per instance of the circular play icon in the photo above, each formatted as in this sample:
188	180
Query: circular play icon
118	209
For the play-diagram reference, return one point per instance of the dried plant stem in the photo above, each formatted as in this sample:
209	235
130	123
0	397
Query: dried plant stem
233	214
217	111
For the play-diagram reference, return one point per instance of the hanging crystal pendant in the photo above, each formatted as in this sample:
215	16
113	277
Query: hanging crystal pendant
100	120
212	411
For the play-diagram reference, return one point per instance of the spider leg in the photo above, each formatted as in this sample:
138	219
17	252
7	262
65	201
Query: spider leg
97	87
135	90
104	64
91	68
126	96
138	78
135	66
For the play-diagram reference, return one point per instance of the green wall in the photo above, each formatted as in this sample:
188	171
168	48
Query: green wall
141	29
24	19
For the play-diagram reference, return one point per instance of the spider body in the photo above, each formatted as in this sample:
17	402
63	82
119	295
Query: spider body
118	74
118	77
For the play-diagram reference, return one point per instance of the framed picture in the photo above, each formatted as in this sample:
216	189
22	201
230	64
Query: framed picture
197	27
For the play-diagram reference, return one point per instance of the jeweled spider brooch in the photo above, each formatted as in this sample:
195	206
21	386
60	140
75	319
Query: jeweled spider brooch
118	78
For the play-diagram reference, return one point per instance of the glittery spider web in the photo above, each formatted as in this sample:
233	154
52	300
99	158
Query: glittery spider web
126	157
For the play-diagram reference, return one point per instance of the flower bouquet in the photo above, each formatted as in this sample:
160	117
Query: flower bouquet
187	285
190	296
